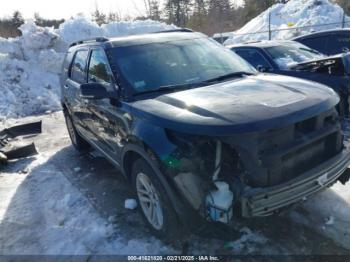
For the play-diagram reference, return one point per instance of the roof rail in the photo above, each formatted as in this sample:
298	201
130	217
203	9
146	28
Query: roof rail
90	40
252	42
176	30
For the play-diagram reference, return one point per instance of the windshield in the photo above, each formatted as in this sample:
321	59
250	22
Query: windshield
290	54
177	63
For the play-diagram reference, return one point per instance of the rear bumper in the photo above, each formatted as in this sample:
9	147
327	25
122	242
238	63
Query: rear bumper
265	201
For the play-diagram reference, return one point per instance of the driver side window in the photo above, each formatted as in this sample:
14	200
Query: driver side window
98	68
253	57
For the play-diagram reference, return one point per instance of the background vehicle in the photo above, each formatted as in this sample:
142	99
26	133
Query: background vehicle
294	59
330	42
197	131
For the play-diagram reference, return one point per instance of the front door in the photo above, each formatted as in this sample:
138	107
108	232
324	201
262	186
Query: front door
107	117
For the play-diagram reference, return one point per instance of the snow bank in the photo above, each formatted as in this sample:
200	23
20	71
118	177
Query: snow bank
30	64
295	13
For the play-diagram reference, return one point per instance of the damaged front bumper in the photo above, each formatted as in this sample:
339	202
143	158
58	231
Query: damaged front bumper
266	201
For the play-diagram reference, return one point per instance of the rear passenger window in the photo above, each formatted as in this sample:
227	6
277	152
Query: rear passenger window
78	69
98	68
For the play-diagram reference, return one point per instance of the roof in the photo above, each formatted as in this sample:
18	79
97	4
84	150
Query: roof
153	38
140	39
339	30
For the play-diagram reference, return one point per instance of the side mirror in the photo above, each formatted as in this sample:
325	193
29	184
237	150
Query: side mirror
94	91
262	68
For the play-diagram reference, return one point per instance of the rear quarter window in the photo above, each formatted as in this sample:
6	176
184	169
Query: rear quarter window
78	68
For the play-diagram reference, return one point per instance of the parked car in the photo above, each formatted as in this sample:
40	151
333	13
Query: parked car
330	42
198	132
294	59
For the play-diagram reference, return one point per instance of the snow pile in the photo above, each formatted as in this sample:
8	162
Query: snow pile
30	65
295	13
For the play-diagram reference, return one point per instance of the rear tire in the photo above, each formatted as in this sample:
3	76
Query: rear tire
154	203
78	142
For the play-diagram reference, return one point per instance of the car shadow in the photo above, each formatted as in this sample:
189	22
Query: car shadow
106	189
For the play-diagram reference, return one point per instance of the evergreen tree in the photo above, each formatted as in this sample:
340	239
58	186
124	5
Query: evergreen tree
99	17
177	11
17	19
154	10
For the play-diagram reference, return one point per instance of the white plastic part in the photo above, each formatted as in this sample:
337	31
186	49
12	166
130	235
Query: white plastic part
219	203
130	203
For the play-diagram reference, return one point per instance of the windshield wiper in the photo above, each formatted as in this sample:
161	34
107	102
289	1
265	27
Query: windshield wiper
166	88
227	76
171	88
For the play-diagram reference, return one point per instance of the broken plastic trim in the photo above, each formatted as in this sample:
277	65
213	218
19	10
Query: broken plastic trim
9	135
21	130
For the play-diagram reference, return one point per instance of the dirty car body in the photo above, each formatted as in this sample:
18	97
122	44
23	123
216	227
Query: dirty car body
294	59
275	140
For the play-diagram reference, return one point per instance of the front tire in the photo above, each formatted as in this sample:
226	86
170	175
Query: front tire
153	202
78	142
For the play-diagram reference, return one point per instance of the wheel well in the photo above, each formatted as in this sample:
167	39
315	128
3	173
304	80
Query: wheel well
130	158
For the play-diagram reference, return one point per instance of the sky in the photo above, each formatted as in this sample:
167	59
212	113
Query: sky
67	8
56	9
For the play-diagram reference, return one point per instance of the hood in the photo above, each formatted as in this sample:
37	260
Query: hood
332	65
248	104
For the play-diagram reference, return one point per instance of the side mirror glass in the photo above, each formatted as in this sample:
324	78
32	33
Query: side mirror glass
94	91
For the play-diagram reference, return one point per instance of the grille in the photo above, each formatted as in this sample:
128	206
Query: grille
290	151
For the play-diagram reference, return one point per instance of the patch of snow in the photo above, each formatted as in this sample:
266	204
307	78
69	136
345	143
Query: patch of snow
56	219
130	204
333	204
296	13
248	241
31	64
285	62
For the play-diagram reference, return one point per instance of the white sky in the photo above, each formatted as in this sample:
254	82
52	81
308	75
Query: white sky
68	8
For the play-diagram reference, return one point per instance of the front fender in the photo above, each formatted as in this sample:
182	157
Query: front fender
176	202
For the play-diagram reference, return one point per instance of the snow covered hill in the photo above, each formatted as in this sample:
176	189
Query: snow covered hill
30	64
295	13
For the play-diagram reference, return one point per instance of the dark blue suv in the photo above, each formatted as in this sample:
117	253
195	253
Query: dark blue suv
198	132
330	42
294	59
